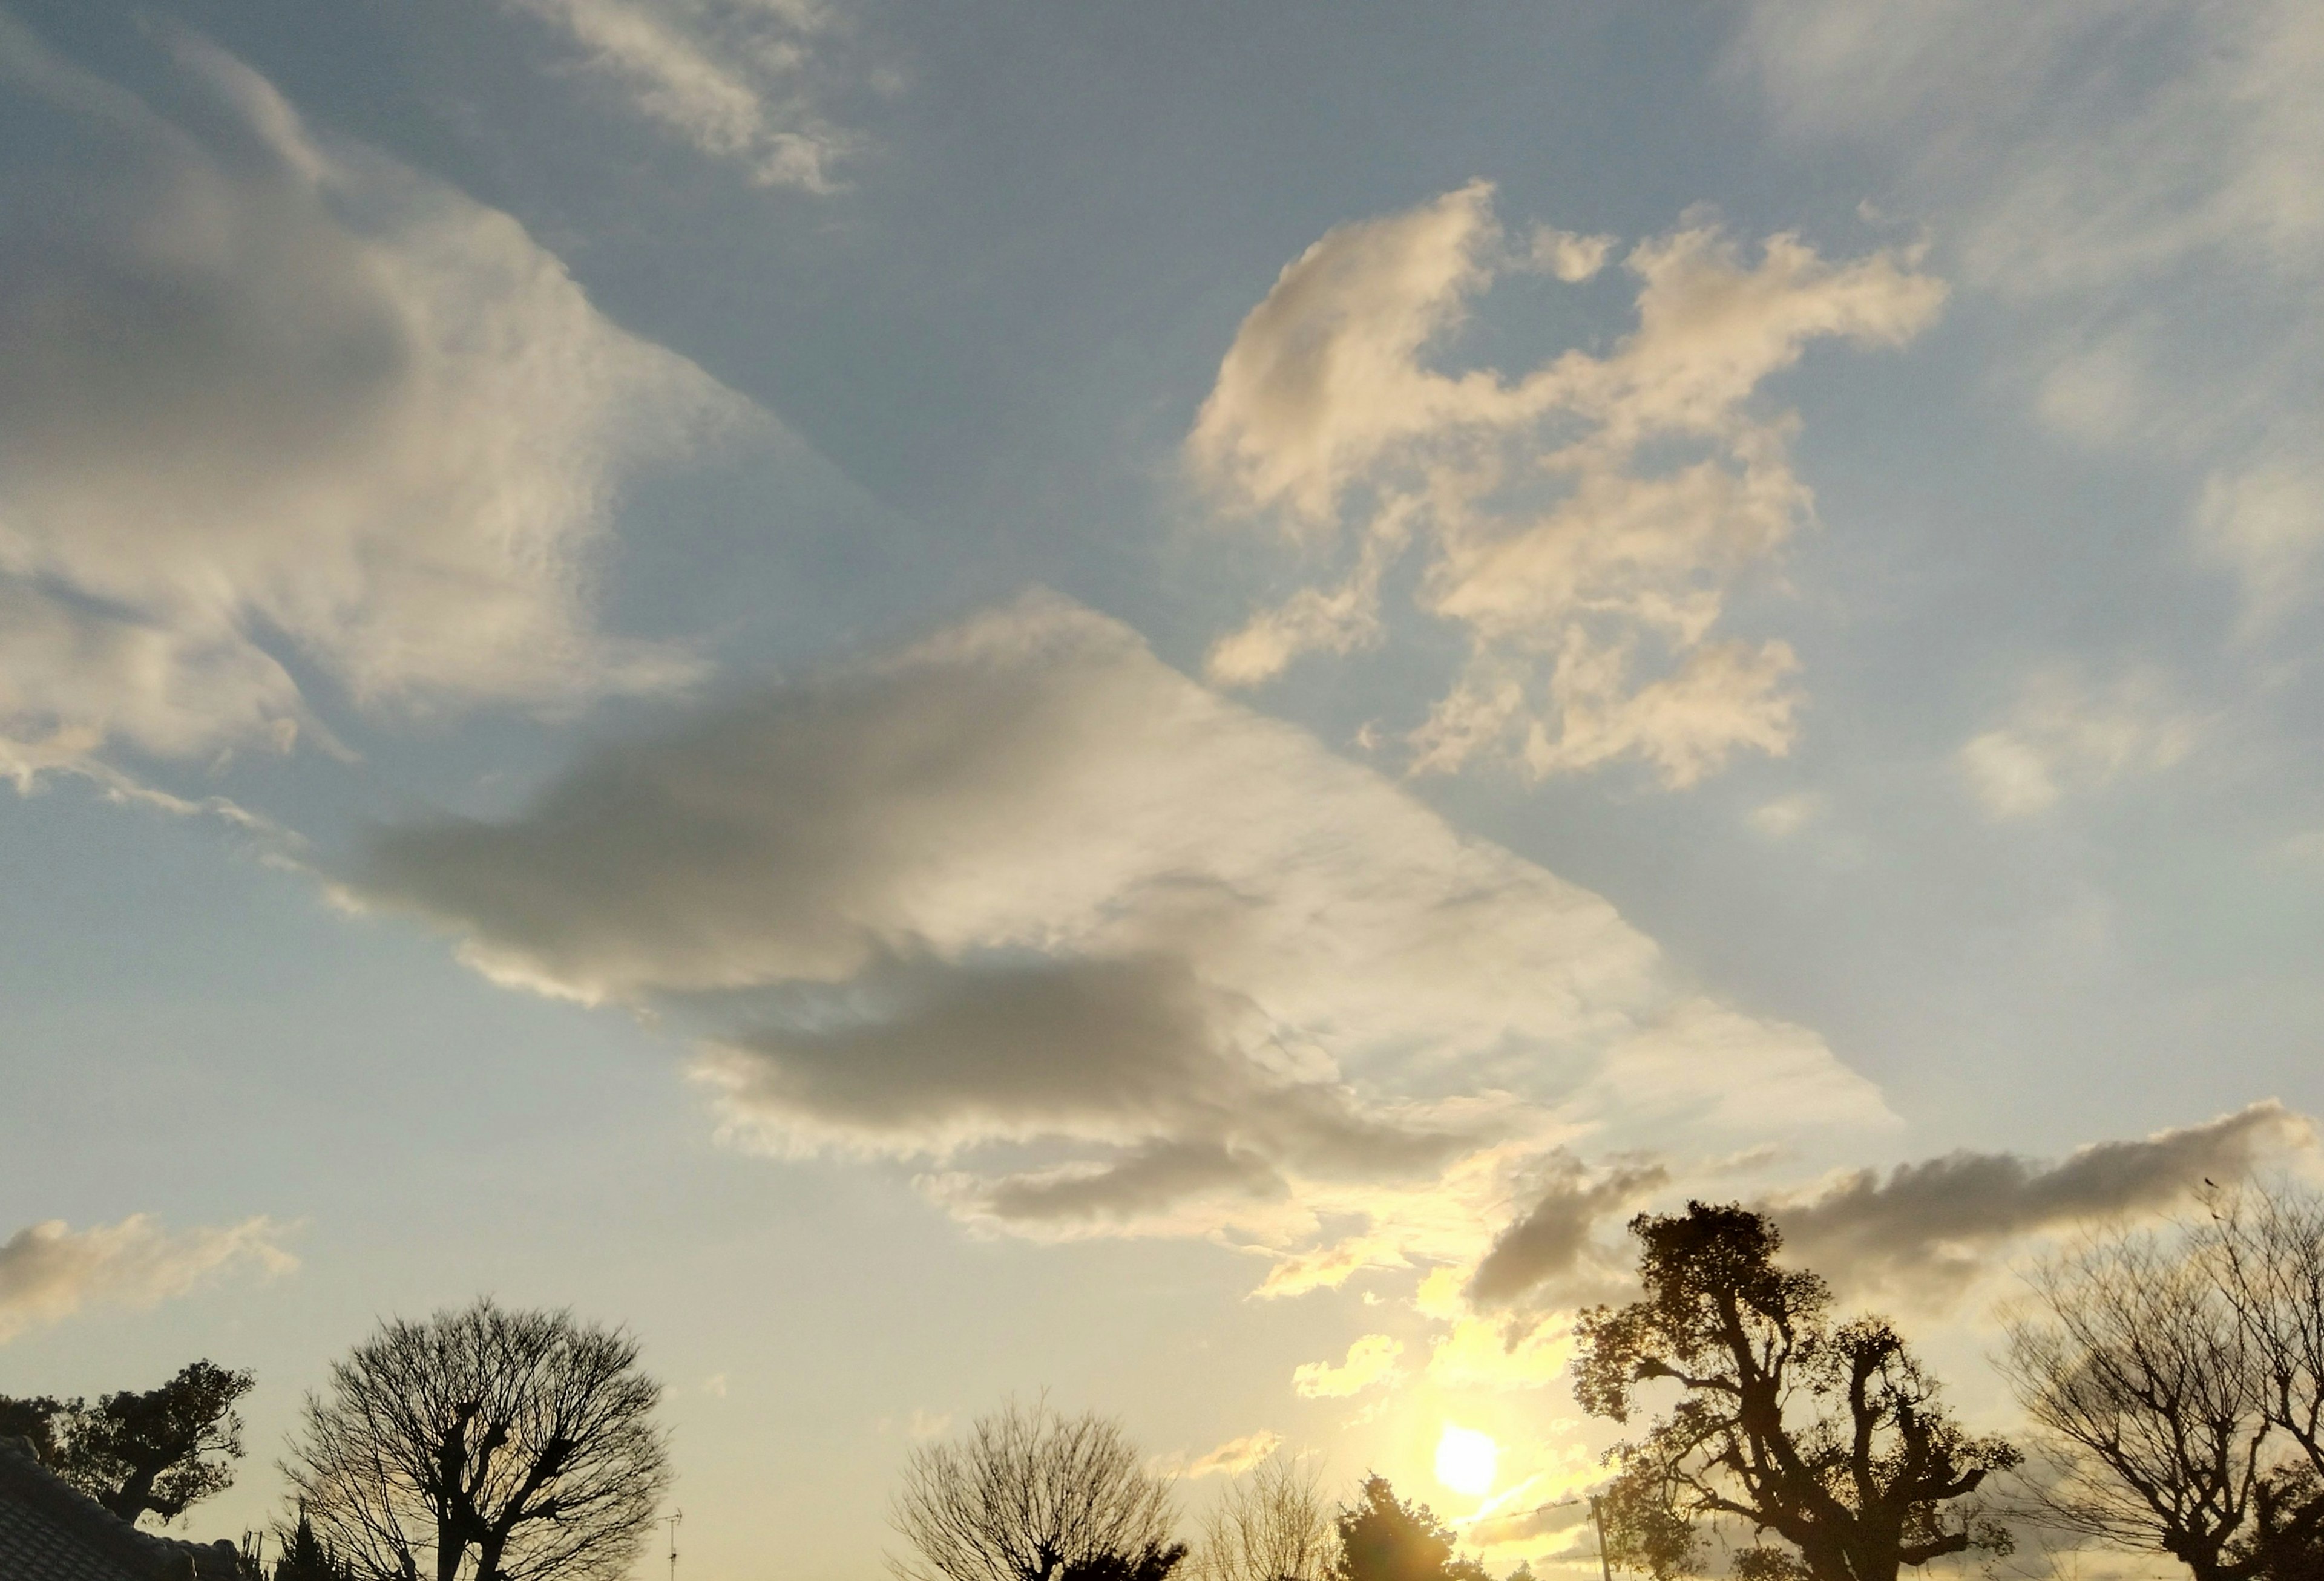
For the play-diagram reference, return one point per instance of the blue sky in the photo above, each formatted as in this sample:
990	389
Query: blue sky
945	703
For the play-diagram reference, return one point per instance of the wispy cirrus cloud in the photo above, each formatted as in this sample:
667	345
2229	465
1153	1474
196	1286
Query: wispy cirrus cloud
2065	735
2134	179
268	402
733	78
1582	522
50	1270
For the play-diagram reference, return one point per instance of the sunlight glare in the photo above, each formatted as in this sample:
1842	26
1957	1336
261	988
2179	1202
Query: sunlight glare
1466	1460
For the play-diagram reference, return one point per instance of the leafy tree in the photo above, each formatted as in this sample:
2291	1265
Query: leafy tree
484	1444
306	1558
139	1452
1833	1439
1031	1495
37	1418
1382	1537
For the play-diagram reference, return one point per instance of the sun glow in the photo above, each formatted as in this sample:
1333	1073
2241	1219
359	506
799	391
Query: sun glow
1466	1460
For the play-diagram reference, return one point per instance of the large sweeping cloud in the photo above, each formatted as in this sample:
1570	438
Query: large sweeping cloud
1021	896
274	410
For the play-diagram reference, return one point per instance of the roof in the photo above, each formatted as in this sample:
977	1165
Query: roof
51	1531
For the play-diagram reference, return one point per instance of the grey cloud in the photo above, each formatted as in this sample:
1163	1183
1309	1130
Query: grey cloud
1146	1181
1927	1229
1022	885
260	392
1550	1239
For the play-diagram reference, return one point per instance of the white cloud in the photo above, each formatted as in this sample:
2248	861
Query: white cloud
1370	1360
2137	178
1126	955
2065	735
49	1272
730	78
1786	816
265	401
1582	522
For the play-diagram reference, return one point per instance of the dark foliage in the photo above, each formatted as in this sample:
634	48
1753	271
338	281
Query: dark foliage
139	1452
1830	1439
1383	1537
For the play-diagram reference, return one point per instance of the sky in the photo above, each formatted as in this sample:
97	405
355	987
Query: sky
1155	702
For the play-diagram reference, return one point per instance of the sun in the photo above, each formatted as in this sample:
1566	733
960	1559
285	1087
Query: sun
1466	1460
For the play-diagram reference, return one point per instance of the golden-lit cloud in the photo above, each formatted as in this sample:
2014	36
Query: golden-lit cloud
1370	1361
1582	522
50	1270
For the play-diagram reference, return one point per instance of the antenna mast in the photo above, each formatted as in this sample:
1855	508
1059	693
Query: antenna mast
671	1522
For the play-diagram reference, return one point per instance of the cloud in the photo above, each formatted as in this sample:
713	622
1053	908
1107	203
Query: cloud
1370	1360
1929	1228
1231	1459
1021	896
733	78
2134	179
1503	1354
1582	522
2064	735
1552	1237
271	407
49	1272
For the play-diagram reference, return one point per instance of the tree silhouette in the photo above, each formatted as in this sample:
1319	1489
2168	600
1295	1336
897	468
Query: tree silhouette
1383	1538
483	1445
1276	1526
1031	1495
139	1452
1832	1440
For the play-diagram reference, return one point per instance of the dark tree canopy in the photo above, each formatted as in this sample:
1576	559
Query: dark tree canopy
1832	1440
139	1452
1031	1495
1383	1537
483	1445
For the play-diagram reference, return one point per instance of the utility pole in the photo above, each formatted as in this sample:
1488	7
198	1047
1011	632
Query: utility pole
671	1522
1597	1519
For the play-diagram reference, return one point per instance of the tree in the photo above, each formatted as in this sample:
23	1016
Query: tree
1275	1527
37	1418
483	1445
1031	1495
137	1452
1383	1538
2150	1396
1832	1439
306	1556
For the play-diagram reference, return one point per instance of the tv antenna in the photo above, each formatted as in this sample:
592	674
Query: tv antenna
671	1521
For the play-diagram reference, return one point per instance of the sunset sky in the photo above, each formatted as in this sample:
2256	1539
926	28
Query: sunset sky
1150	700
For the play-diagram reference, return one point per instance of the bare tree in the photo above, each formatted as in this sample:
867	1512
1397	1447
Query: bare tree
1031	1495
2267	1241
2149	1395
483	1445
1277	1526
